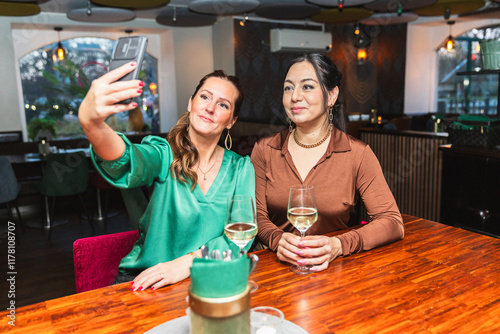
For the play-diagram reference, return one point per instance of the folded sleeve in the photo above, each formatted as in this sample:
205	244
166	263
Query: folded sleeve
139	165
386	223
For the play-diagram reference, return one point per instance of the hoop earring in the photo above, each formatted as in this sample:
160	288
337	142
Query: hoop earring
330	117
228	137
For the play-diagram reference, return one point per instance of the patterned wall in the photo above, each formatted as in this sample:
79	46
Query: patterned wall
379	82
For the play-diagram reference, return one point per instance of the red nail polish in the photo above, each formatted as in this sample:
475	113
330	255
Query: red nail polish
132	288
152	288
133	63
141	84
140	289
139	91
134	105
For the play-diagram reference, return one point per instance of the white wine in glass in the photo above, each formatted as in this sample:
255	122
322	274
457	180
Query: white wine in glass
240	225
302	213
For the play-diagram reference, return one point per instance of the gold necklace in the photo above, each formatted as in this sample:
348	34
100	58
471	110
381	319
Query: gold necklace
205	173
322	140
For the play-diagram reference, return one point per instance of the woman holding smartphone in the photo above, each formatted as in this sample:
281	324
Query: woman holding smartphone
191	174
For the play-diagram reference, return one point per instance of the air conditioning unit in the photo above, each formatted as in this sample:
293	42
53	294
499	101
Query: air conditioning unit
292	40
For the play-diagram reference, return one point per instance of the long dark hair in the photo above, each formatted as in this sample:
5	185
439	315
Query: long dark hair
329	77
185	153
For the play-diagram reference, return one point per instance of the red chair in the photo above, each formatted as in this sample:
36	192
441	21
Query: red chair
96	259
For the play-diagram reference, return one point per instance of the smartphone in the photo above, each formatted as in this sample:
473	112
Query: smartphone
129	49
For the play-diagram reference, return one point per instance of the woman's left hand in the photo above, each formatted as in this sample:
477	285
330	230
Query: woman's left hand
163	274
318	251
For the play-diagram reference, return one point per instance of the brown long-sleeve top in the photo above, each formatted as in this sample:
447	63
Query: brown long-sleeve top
349	169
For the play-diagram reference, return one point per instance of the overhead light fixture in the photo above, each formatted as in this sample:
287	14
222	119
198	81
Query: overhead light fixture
450	43
100	14
400	9
244	20
447	13
356	29
59	52
361	56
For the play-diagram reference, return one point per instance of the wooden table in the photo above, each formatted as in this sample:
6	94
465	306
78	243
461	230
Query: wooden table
438	279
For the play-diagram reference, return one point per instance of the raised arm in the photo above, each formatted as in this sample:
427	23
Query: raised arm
101	102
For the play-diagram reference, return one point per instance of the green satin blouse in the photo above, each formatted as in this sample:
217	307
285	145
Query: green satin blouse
177	220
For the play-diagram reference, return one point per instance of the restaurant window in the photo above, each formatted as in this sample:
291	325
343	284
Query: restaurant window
53	90
467	94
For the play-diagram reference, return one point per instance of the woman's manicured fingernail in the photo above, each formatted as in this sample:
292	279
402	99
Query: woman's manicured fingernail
301	262
133	63
152	288
300	252
134	105
139	91
132	288
140	288
313	269
301	243
141	84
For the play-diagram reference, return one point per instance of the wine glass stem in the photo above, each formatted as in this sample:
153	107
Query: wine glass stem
302	236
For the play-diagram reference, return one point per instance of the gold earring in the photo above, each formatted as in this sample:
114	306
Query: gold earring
228	138
330	116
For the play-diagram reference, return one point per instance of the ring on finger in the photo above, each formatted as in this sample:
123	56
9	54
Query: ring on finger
161	275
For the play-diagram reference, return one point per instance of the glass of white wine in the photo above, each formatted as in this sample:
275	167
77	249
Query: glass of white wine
241	223
302	213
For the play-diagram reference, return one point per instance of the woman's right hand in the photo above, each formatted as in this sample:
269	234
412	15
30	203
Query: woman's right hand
101	100
288	247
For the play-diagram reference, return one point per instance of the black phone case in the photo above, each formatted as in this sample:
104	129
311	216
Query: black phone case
128	49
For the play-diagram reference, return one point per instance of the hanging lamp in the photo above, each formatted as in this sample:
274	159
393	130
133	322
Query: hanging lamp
450	43
59	52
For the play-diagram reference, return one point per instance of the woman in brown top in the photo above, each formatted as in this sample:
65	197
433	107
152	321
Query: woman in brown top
317	152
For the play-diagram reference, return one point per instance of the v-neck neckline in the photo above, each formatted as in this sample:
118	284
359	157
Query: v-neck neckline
206	198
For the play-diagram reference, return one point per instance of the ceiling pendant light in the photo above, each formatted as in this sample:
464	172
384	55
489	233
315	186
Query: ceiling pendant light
450	43
59	52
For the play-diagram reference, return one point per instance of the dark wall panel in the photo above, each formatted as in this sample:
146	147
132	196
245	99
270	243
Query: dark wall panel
378	83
